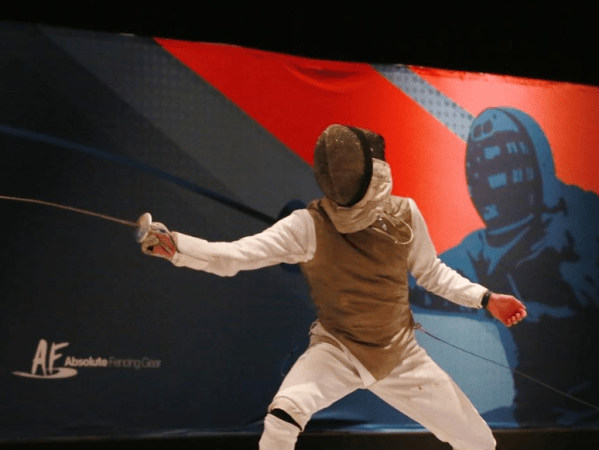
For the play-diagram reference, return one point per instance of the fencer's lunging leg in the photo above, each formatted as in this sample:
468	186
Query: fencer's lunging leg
278	434
321	376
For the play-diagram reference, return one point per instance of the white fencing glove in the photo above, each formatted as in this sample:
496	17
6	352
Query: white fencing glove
159	242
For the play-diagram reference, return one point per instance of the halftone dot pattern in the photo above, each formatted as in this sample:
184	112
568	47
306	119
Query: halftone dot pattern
146	86
444	109
221	147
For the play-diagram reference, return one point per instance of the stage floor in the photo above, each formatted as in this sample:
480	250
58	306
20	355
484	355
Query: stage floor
506	440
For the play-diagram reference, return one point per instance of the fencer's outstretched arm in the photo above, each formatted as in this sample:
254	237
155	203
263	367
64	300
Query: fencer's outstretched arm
433	275
291	240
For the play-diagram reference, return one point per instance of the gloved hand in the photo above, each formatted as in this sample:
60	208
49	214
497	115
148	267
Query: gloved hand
159	242
506	308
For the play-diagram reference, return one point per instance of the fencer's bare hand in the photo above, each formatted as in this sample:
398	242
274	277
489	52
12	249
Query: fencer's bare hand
507	309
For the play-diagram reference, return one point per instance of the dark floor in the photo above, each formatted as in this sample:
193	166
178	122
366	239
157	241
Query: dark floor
506	440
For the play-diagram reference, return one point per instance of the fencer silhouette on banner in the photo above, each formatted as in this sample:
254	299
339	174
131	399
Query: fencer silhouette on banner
541	244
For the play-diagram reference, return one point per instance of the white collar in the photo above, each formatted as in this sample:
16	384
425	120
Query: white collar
369	208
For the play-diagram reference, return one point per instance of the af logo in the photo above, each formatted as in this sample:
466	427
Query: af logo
44	360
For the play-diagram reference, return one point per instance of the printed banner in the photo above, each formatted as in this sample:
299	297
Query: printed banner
216	141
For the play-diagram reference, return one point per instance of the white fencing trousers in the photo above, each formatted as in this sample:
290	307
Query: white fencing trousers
417	387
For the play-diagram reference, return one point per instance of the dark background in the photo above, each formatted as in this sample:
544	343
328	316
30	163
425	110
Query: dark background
547	40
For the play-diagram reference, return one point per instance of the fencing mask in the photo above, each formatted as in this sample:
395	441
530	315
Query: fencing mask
343	162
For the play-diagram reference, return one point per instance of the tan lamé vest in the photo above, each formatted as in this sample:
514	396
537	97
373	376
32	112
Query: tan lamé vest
359	285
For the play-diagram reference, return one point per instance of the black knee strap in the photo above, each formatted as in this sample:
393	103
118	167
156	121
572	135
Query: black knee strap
284	416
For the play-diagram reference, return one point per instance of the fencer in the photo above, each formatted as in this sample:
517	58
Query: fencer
355	246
